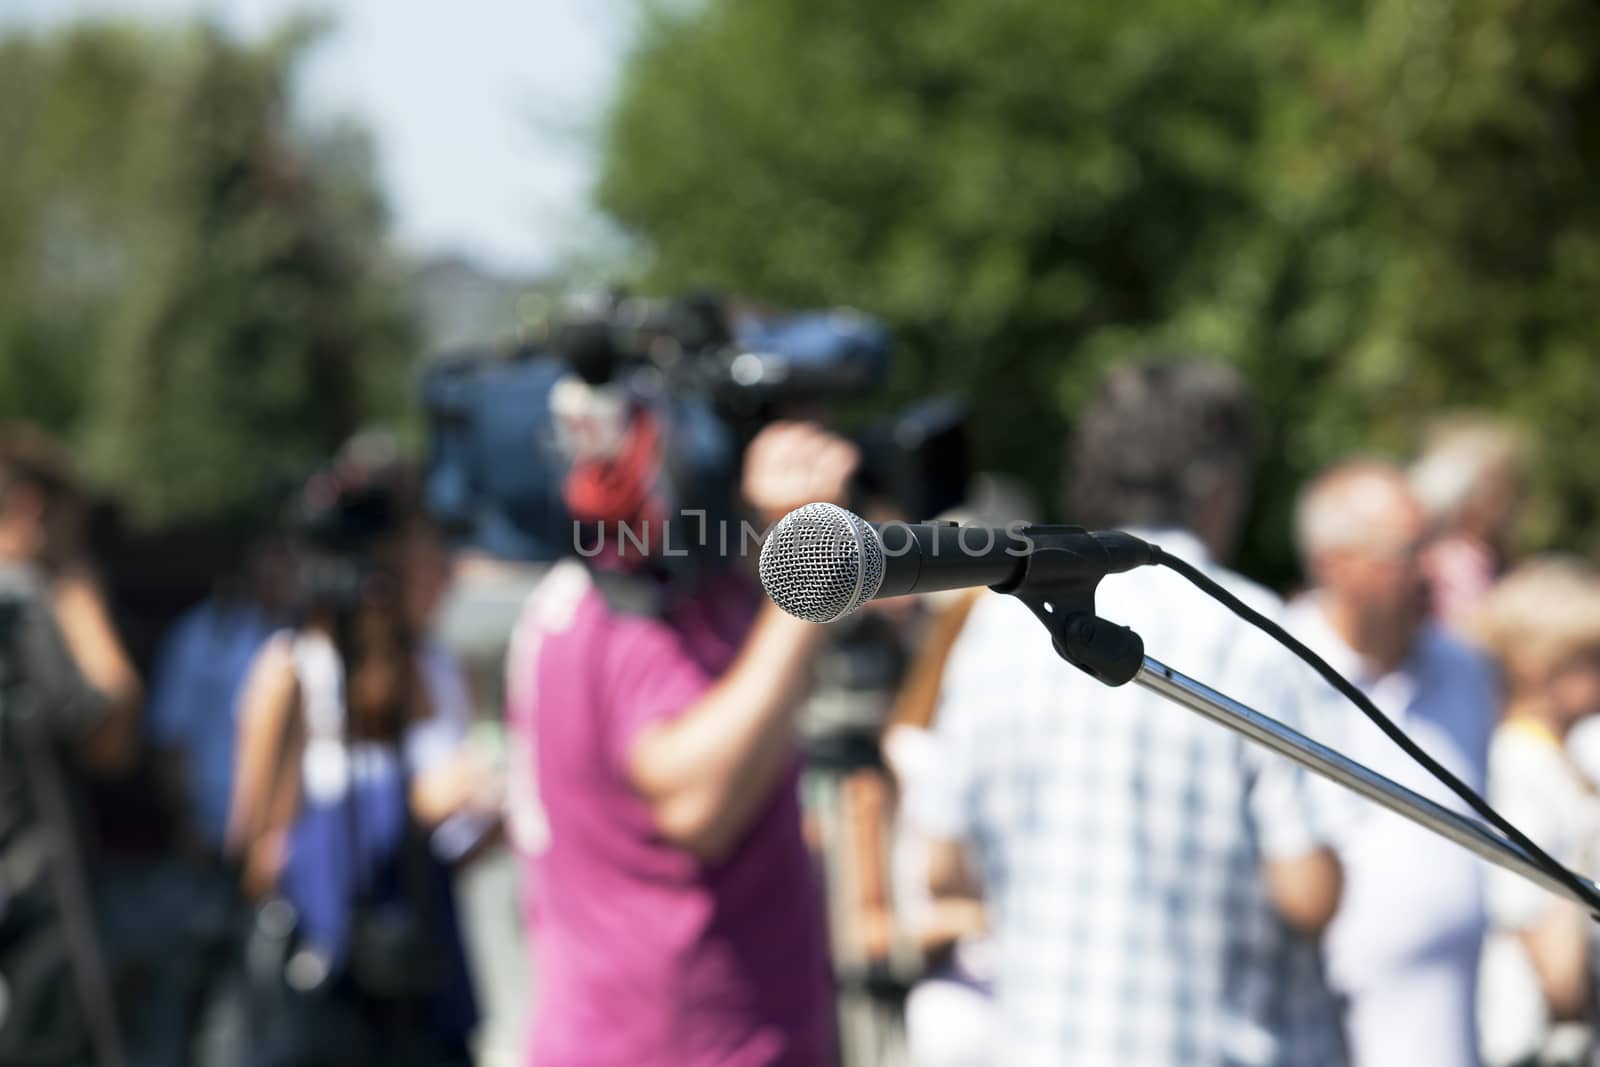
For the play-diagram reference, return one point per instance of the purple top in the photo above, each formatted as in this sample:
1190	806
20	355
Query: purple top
647	954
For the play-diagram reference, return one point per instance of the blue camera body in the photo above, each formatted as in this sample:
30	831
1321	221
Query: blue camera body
496	468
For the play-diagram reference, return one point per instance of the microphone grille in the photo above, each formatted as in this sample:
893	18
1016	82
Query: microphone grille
821	562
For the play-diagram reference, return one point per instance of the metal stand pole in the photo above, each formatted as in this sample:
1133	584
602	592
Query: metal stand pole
1224	710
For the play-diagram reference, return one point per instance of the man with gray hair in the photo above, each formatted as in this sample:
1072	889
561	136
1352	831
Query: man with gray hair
1155	883
1403	949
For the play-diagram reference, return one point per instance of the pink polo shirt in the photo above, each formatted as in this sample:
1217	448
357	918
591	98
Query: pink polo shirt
647	955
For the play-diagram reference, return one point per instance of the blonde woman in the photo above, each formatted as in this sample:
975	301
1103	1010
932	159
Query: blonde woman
1537	995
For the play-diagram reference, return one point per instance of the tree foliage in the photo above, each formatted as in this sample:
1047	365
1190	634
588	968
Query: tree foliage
192	289
1378	210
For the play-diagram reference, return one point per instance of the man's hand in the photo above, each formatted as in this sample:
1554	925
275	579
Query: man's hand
1305	891
794	463
471	780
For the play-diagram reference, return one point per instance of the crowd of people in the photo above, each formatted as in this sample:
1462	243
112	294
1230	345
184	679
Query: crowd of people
1022	866
1158	891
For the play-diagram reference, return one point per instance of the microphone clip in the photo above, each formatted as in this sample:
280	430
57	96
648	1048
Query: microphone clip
1058	585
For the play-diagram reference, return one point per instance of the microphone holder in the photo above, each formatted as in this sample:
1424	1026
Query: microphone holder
1063	599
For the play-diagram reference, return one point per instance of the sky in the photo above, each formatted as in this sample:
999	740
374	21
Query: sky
483	111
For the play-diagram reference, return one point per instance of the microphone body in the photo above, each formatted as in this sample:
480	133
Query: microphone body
821	562
929	557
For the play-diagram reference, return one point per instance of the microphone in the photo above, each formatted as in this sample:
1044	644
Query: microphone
821	562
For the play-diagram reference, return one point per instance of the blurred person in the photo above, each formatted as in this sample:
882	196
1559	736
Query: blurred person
68	707
654	790
1403	950
1542	625
180	915
1468	481
475	624
199	673
1155	884
949	1011
349	757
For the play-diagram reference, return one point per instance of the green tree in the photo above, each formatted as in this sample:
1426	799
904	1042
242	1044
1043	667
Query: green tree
1008	183
1378	210
1481	141
64	107
211	298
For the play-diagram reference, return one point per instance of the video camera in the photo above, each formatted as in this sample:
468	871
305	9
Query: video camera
498	458
336	519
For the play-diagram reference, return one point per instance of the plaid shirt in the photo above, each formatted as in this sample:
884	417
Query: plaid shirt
1120	838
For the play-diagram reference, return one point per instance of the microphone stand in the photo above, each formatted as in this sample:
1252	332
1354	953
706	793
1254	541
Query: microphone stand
1059	585
1470	834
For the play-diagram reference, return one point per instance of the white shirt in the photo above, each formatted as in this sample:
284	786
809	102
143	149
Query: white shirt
331	760
1535	784
1403	949
1120	837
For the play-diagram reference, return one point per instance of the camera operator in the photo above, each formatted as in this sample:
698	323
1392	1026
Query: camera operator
67	706
654	780
350	758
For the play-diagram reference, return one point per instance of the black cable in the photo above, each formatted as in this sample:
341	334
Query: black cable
1542	859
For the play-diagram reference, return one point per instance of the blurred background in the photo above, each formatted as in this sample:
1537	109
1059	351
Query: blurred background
265	222
235	233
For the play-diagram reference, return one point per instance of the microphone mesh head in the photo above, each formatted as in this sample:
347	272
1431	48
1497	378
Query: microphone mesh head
821	562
